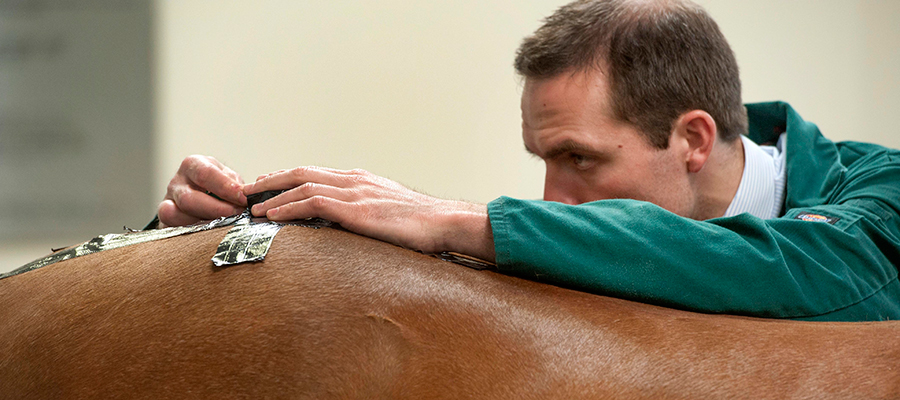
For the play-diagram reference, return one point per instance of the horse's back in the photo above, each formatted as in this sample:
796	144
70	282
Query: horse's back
331	314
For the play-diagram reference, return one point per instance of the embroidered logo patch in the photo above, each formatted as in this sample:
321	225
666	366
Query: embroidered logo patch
817	218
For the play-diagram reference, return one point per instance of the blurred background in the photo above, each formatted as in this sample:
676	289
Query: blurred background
101	99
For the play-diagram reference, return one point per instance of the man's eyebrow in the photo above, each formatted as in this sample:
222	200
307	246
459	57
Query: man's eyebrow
567	146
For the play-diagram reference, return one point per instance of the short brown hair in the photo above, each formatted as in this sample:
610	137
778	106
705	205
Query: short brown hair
661	58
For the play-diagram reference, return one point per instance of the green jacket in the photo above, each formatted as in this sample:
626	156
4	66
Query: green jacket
832	255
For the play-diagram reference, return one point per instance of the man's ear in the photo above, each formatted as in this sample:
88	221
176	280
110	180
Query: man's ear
697	130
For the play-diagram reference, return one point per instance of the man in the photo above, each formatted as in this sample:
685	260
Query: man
651	193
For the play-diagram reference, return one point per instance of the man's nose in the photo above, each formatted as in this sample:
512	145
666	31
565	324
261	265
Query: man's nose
556	189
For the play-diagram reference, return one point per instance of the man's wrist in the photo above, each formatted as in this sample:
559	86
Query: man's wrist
466	230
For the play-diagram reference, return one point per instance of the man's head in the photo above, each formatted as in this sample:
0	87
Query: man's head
661	58
644	65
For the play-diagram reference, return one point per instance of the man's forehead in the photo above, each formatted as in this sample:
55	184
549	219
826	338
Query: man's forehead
544	97
577	77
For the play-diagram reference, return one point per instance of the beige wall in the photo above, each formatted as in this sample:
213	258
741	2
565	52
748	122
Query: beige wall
424	92
836	61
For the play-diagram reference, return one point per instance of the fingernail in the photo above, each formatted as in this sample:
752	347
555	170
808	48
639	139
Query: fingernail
255	209
272	213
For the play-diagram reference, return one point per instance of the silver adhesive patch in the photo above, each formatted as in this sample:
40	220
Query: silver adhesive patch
250	239
246	243
115	240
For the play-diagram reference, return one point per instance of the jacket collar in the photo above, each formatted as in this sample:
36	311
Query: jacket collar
814	166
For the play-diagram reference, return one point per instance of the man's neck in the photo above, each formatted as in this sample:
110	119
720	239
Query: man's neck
717	183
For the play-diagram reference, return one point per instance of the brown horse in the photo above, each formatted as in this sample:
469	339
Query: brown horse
330	314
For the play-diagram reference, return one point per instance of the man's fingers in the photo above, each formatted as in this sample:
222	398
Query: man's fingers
170	215
292	178
233	175
270	173
326	169
211	175
316	206
301	193
200	205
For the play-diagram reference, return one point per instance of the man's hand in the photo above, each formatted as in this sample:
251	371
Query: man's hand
188	198
377	207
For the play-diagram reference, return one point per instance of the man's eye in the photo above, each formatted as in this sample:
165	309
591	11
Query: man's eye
582	161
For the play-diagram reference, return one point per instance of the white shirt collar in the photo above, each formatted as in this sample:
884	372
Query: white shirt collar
761	191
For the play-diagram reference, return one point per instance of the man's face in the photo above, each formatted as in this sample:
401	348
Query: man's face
567	122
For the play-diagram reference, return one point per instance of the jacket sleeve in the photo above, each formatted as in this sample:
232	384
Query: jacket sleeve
781	268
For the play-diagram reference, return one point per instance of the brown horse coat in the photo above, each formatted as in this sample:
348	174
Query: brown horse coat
330	314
